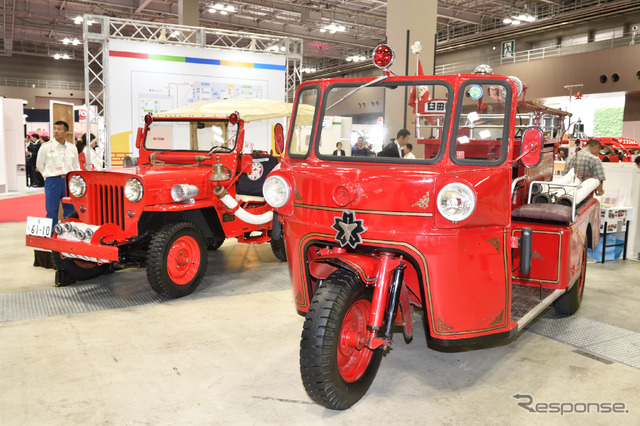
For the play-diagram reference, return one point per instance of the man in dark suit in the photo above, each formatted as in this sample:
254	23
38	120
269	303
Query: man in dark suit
392	149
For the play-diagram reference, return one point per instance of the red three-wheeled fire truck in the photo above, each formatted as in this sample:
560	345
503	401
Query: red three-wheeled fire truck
452	232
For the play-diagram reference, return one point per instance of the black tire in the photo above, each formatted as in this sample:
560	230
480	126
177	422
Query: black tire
341	295
277	247
78	270
570	302
176	259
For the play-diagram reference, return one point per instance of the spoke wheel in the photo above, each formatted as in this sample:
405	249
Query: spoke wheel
570	302
176	259
336	366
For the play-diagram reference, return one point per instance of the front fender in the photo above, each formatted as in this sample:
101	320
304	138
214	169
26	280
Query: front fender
363	265
367	267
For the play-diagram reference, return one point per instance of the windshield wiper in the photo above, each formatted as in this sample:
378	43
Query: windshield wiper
382	77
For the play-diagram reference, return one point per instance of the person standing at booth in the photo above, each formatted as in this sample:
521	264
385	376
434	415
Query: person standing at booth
587	164
56	158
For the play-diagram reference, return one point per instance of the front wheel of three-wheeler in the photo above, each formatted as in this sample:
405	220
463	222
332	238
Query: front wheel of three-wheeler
336	367
570	302
176	259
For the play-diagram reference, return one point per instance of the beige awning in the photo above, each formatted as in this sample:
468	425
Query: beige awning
248	110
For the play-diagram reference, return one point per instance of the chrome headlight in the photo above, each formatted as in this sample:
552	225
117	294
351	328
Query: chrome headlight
133	190
456	202
276	191
77	186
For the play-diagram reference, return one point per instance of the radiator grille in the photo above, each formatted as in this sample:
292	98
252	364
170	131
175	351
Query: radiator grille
107	204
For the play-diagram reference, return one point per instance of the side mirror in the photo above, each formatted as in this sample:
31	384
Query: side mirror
531	147
278	136
139	137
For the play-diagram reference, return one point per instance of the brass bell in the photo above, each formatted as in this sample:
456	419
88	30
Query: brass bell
218	172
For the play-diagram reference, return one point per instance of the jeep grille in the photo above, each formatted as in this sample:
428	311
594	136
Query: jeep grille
108	204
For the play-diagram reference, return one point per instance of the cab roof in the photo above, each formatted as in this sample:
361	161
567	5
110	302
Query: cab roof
247	109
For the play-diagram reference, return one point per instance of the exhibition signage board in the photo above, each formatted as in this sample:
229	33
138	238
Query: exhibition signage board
143	78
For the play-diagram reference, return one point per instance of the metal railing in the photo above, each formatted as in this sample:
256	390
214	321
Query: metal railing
41	84
534	55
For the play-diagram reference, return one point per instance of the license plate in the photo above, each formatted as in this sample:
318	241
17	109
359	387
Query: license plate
39	226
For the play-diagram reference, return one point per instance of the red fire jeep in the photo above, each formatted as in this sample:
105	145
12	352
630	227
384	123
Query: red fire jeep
451	233
191	189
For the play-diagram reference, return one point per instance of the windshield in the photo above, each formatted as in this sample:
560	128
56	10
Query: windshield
203	135
482	123
356	125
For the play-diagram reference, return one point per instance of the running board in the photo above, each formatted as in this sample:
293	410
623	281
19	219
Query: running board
544	304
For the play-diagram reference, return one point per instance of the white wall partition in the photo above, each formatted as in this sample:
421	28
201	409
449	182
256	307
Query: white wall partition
144	77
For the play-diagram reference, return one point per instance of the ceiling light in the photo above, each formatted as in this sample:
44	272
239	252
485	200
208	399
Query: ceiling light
518	18
356	58
66	40
333	28
223	8
75	42
57	56
174	34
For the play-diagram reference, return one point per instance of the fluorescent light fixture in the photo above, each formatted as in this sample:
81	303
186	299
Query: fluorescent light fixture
224	9
333	28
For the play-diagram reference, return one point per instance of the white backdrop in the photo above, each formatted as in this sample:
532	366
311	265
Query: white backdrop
151	77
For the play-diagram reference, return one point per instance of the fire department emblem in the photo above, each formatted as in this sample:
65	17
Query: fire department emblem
349	229
256	171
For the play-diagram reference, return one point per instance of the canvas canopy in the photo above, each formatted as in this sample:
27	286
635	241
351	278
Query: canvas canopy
248	110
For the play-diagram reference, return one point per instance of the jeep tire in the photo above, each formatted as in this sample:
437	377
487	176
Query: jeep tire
277	247
176	259
76	270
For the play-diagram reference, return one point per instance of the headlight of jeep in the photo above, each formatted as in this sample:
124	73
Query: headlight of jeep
456	202
276	191
133	190
77	186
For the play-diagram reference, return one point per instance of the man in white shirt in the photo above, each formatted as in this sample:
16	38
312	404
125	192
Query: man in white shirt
406	149
56	158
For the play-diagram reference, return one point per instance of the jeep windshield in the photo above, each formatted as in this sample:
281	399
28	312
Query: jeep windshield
358	127
191	135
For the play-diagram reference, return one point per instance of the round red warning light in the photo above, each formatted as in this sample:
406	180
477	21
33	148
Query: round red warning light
383	56
233	118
